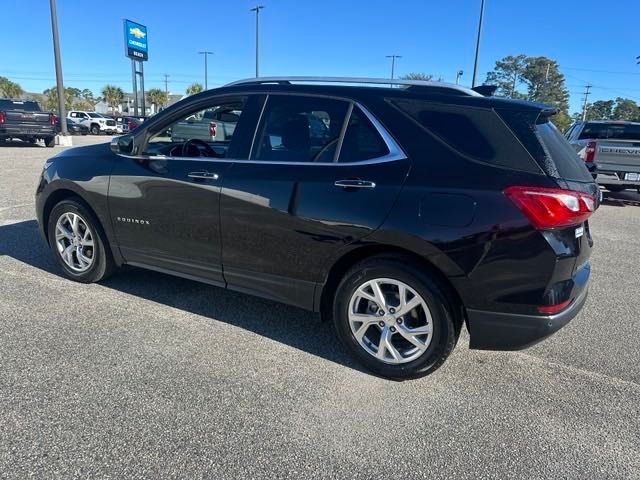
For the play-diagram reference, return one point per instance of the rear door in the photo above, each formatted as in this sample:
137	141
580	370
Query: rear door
322	174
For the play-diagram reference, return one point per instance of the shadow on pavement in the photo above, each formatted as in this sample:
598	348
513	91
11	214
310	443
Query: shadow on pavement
621	199
20	144
288	325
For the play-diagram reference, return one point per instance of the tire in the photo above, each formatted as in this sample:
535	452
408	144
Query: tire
50	141
95	129
101	260
437	345
615	188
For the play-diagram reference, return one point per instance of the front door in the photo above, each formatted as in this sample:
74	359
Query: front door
321	176
165	203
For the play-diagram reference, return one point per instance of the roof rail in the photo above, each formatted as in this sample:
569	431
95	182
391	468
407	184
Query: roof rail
456	89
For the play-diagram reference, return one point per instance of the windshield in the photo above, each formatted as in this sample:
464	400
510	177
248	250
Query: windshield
620	131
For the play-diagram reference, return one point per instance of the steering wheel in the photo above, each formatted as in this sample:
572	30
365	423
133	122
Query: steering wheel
318	155
210	152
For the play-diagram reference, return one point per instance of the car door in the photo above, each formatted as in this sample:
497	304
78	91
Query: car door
164	204
322	174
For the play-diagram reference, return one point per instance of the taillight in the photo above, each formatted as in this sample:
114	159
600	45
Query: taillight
590	152
52	119
212	129
552	309
552	207
1	117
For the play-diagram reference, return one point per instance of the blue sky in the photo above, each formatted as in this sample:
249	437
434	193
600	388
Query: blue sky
592	43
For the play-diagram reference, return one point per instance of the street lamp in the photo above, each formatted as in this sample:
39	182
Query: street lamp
475	62
257	9
206	73
458	75
59	82
393	65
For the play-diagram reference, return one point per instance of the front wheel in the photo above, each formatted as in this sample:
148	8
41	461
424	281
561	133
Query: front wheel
78	243
394	318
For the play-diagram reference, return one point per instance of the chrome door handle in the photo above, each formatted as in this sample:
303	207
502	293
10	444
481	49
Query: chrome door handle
203	175
355	183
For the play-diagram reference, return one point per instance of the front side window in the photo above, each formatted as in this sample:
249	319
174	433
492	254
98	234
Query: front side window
300	129
206	132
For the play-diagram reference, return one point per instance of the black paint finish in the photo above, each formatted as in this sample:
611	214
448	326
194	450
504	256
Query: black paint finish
277	230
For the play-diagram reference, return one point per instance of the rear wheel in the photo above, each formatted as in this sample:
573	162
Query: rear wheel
78	243
95	129
394	318
50	141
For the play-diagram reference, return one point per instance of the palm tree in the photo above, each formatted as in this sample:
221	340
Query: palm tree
113	96
10	89
157	97
194	88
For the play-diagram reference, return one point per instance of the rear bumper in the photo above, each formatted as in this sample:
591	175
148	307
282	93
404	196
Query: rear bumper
26	131
614	178
510	331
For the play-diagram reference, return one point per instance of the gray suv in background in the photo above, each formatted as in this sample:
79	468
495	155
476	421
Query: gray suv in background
611	149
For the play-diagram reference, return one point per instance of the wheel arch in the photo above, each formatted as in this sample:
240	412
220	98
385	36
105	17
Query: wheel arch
351	258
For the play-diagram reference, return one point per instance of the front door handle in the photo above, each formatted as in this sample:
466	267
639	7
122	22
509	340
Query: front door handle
204	175
354	183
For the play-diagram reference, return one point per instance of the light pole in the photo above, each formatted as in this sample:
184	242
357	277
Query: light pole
458	75
257	9
475	62
393	65
206	72
59	82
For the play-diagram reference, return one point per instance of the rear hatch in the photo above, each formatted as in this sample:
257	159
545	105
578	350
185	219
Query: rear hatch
23	113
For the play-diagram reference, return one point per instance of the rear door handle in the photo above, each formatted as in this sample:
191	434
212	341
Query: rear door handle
204	175
354	183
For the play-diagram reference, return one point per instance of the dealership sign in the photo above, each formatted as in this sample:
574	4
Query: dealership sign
135	40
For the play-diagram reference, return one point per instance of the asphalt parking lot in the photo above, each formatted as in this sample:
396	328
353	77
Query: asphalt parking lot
148	375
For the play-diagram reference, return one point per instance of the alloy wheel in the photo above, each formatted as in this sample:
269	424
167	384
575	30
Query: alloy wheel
75	242
390	320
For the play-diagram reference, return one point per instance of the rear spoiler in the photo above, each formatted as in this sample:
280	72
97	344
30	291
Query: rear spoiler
485	90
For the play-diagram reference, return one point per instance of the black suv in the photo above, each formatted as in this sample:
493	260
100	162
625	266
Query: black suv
399	213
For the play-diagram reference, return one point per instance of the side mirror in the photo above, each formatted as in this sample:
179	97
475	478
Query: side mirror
122	145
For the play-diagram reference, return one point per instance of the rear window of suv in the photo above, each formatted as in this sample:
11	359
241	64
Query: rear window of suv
567	162
620	131
26	106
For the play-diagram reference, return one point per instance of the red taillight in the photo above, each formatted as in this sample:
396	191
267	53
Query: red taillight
1	117
551	207
590	152
552	309
52	119
212	129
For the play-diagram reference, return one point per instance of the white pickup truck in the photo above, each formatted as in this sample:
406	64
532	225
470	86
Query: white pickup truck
215	125
611	149
94	121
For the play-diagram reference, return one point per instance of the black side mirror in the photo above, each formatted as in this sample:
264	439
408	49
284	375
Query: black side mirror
122	145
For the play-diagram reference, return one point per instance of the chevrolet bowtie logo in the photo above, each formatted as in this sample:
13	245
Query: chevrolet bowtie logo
136	32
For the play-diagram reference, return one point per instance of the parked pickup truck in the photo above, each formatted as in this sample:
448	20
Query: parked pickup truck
216	125
94	121
611	146
25	120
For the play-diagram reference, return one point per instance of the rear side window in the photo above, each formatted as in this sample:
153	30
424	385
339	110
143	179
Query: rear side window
611	131
300	129
565	158
478	134
361	140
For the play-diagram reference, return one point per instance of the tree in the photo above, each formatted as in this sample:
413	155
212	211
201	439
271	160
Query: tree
506	75
194	88
113	95
10	89
600	110
51	98
626	109
417	76
157	97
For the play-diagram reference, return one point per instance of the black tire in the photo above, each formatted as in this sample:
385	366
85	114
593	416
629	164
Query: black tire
616	188
50	141
444	335
95	129
103	264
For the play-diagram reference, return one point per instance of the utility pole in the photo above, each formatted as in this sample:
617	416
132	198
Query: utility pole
257	9
166	84
475	61
393	65
206	73
458	75
513	85
584	105
56	54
